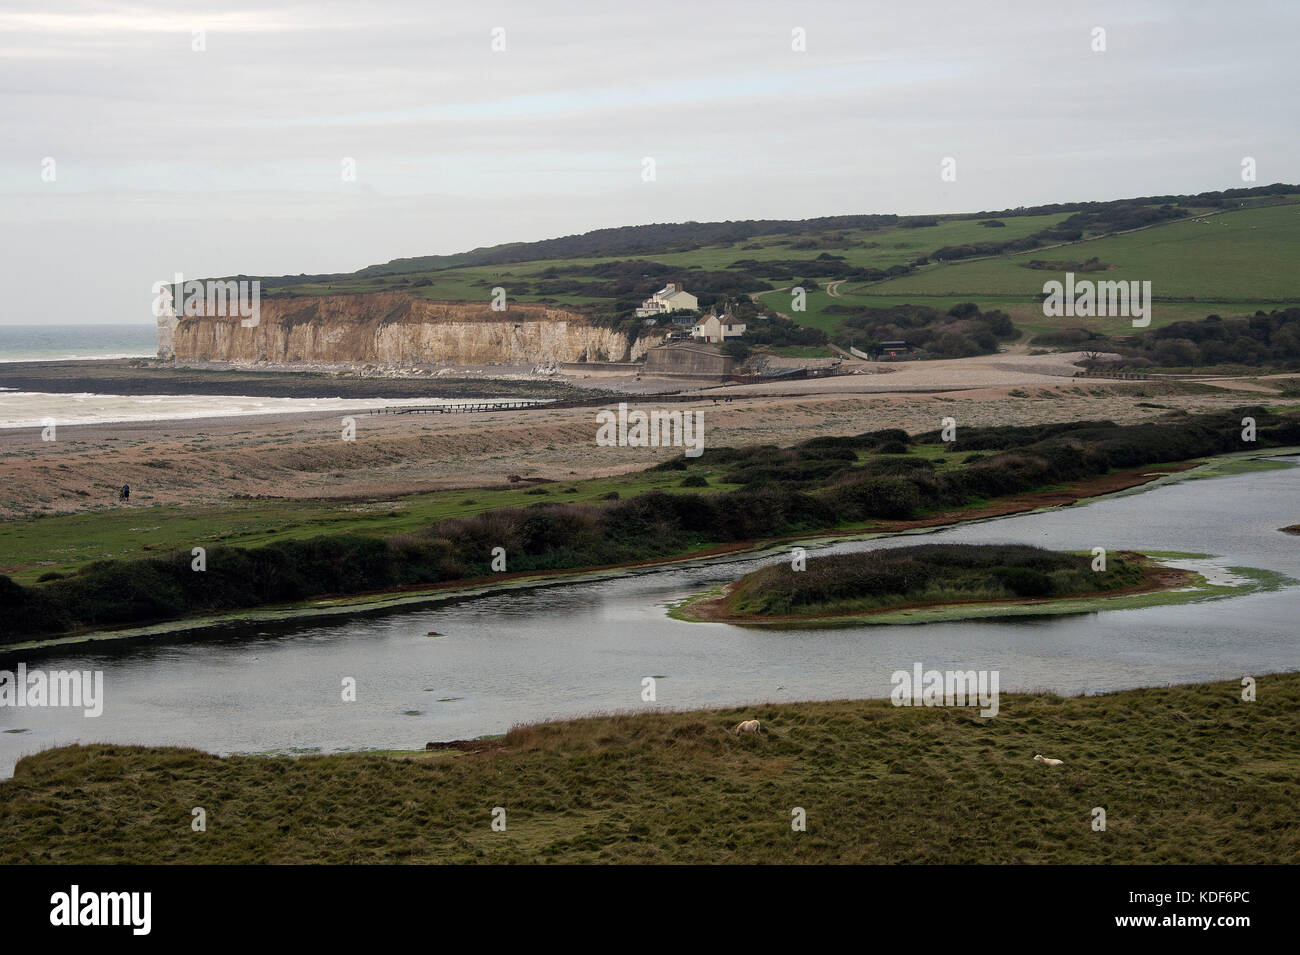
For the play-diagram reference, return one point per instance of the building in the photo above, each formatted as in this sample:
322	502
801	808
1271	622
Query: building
894	349
712	328
671	298
688	360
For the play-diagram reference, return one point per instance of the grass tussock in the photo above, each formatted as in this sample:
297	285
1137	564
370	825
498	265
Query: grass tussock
1187	774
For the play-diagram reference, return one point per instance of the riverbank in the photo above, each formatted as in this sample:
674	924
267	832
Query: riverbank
378	602
1098	487
1185	774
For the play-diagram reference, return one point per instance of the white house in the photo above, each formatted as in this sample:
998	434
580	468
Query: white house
670	298
711	328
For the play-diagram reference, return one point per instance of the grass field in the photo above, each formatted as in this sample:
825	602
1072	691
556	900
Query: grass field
876	248
62	544
1185	774
1233	263
1230	263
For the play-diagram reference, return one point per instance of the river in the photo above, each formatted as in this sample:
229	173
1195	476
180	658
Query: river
583	648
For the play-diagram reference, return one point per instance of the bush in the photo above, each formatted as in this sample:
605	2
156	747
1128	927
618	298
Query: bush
735	349
878	497
672	464
1024	581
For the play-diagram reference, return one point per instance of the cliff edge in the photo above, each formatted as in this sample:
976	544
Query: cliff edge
394	327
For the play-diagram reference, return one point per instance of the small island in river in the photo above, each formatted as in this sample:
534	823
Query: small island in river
960	580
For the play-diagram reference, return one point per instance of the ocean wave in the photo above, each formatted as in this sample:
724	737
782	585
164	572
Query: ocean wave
30	409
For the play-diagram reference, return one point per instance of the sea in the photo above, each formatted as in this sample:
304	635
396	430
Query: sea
77	342
25	409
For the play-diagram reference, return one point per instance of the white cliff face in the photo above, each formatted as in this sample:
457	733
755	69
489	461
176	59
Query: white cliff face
394	328
167	336
477	343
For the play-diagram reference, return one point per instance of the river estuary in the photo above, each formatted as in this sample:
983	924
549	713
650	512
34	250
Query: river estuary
582	648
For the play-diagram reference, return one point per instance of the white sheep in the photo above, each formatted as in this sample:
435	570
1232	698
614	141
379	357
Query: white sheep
748	726
1048	760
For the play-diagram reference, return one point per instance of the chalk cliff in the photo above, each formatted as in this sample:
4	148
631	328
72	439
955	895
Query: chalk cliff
394	327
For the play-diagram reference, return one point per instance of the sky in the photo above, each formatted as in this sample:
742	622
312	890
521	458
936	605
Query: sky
139	140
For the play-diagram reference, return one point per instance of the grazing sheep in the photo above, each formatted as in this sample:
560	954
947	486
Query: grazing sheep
1048	760
748	726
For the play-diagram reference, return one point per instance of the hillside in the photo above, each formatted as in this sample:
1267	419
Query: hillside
1229	252
1232	262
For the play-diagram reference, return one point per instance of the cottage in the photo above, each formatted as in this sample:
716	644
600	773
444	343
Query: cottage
671	298
712	328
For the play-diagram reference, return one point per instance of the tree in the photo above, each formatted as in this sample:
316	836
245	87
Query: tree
735	349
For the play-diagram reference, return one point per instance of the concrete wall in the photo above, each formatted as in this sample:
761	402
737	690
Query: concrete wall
688	359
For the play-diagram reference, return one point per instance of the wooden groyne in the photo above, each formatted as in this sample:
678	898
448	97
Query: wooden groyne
463	407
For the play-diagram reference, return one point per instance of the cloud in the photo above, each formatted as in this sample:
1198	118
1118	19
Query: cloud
228	158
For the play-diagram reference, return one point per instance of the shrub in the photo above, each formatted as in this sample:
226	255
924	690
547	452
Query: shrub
880	497
1024	581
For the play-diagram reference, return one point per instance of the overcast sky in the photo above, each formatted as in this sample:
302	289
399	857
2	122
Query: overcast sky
230	158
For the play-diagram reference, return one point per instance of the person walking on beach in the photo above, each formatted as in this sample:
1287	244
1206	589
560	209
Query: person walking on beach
125	493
